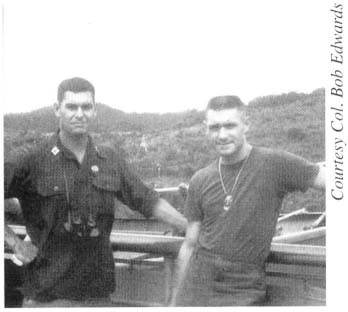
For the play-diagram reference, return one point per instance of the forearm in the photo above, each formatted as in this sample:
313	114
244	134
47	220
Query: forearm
168	214
24	251
11	239
184	256
181	268
320	180
12	206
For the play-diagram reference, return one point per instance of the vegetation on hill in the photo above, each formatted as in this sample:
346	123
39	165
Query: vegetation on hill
166	149
108	120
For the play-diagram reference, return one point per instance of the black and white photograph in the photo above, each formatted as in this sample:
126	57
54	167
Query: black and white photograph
173	154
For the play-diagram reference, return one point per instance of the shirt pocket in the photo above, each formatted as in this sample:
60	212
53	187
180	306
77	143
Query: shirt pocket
107	182
51	199
105	189
50	186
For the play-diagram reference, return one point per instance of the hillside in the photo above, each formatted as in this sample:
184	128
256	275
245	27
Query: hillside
108	120
175	142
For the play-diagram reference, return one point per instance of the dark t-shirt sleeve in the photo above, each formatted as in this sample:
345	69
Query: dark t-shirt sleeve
193	211
295	173
134	193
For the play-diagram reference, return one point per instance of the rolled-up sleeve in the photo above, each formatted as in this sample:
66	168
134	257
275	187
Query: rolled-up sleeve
134	193
16	178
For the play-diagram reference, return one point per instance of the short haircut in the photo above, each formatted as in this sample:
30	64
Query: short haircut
225	102
75	85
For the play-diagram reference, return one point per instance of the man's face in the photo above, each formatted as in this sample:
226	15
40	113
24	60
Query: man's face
226	129
76	112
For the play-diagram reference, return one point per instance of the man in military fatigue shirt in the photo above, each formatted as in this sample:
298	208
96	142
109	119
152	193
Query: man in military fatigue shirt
67	188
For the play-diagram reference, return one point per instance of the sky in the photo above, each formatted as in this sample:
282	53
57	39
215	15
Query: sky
161	56
168	56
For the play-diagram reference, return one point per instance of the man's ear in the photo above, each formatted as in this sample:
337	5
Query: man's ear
246	123
56	108
206	126
95	109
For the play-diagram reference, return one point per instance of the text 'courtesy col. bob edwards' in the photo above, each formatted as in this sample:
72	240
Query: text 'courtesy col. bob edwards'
335	103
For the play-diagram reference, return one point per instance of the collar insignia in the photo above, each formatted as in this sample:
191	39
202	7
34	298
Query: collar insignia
55	150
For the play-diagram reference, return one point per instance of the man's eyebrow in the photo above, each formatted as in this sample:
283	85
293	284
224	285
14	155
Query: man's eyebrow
222	123
79	104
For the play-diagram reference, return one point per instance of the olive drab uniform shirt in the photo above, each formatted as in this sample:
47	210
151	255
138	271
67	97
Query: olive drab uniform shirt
68	210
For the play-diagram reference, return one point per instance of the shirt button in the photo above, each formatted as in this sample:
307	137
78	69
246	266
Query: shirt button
95	169
56	188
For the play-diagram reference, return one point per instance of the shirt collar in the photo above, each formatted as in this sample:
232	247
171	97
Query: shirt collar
57	147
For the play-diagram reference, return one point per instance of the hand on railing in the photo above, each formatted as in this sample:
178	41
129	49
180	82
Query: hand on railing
171	303
25	251
183	189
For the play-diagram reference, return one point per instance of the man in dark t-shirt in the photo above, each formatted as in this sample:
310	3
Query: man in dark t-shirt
232	208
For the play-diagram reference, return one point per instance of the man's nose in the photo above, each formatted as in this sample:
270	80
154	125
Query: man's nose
222	134
79	112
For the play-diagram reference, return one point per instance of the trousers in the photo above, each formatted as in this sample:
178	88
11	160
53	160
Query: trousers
213	281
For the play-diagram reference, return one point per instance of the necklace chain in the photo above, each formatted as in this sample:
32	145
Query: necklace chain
237	177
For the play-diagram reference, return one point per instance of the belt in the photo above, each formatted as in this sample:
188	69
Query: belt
223	261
